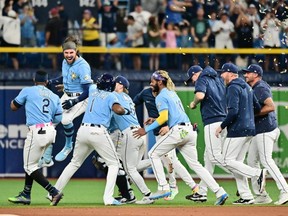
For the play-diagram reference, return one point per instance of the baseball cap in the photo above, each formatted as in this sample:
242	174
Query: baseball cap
123	81
106	3
191	71
229	67
54	11
41	76
254	68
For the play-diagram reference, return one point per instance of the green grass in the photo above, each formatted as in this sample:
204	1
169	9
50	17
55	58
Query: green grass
88	193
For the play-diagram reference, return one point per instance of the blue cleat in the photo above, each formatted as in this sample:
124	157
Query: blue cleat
62	155
115	203
160	194
221	200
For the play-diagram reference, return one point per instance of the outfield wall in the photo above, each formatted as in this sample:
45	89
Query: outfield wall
13	132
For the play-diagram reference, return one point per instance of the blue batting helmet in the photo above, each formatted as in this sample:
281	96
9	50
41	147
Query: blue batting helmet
106	82
122	80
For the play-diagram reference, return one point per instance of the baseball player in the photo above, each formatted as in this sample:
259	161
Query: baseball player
210	94
267	134
76	78
170	160
42	109
240	129
180	135
132	149
93	135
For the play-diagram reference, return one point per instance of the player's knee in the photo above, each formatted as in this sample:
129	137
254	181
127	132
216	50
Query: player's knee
66	121
153	155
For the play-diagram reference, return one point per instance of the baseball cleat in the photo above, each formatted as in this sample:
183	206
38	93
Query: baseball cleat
44	163
160	194
114	203
62	155
263	199
197	197
174	192
49	197
20	199
56	199
283	199
243	202
127	201
145	201
222	199
262	180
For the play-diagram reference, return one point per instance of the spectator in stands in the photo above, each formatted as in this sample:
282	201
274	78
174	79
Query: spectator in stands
90	37
224	32
270	26
64	18
108	14
244	31
154	39
253	16
152	6
200	31
135	39
175	9
53	35
142	17
121	25
212	20
263	7
28	21
11	36
170	32
113	59
8	5
211	6
185	42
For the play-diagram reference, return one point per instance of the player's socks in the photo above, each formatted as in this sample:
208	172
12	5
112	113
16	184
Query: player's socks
68	131
40	179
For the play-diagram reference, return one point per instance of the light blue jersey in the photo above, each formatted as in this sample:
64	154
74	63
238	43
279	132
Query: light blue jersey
169	100
99	108
75	75
41	105
125	121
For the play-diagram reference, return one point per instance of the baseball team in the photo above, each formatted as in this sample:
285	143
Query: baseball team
239	119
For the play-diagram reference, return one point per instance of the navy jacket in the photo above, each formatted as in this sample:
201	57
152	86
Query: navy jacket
213	106
240	105
265	123
146	96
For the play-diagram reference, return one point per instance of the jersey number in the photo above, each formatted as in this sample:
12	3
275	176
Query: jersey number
46	103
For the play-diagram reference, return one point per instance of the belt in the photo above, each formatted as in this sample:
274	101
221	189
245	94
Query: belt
90	125
134	127
184	124
40	125
73	94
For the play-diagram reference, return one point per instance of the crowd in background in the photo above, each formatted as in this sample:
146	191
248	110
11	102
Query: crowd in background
158	23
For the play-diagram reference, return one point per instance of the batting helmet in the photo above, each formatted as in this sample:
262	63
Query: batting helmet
122	80
106	82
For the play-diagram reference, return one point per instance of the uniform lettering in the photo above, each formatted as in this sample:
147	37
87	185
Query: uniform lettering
87	3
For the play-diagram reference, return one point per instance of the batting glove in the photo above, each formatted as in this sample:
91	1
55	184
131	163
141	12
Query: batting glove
67	104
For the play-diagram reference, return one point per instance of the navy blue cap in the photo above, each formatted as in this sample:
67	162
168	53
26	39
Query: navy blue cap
122	80
229	67
191	71
254	68
41	76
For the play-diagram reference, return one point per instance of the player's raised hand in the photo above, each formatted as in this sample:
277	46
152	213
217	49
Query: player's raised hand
138	133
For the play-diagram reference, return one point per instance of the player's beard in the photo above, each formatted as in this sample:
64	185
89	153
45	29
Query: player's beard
155	88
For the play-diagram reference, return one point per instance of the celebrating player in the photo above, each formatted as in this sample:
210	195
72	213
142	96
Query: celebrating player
267	134
180	135
76	78
170	160
210	93
132	149
93	135
240	129
41	106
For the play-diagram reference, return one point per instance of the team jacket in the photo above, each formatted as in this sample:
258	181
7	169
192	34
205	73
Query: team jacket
240	105
213	106
265	123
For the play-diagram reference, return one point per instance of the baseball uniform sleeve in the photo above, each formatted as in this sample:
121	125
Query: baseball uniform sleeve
21	98
201	85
